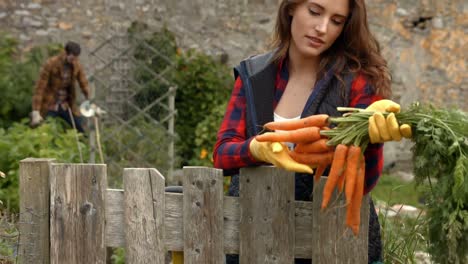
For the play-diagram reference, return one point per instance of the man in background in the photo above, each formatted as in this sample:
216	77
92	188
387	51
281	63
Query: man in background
54	93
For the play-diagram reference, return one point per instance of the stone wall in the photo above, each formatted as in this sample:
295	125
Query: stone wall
424	41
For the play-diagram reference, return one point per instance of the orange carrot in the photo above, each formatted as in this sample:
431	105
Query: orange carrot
353	215
319	172
341	181
313	120
352	163
349	214
336	170
312	158
315	146
296	136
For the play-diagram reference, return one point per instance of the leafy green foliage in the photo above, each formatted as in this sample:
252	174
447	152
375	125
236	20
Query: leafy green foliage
18	75
155	50
141	146
202	82
205	136
53	139
155	56
118	256
441	158
9	235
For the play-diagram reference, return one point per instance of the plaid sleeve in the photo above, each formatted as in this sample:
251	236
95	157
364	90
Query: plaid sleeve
41	84
83	81
362	95
231	150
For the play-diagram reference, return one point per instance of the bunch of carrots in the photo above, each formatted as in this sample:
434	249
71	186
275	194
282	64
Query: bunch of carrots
440	152
312	148
343	146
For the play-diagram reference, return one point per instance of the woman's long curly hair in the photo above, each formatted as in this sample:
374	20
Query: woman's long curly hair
356	49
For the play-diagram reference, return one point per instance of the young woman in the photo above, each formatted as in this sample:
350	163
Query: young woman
323	57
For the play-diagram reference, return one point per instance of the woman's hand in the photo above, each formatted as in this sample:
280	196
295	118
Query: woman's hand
277	154
311	149
382	129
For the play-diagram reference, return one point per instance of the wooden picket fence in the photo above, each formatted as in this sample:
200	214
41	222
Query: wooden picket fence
69	216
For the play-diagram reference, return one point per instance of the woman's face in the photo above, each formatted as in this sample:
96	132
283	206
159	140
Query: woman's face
316	24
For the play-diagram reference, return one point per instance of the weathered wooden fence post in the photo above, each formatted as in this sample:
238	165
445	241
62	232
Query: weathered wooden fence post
263	225
115	233
34	211
267	216
203	215
77	213
144	209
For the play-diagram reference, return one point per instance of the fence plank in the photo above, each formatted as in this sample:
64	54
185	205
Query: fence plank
174	224
303	229
334	243
77	204
203	215
267	216
115	230
174	231
231	225
144	208
34	211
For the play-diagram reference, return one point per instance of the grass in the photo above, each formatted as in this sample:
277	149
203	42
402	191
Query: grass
402	236
393	190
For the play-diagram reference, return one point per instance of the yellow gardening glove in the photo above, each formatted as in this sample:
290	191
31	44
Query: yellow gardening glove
383	129
277	154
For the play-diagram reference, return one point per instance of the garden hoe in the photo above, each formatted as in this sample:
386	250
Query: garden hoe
88	109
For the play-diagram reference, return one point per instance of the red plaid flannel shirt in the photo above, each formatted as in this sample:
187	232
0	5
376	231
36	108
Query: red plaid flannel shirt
231	150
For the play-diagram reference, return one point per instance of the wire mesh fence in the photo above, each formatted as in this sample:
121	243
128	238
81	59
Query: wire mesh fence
132	85
9	236
16	246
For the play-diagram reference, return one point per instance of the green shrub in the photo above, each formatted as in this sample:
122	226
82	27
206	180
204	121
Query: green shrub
141	145
155	54
157	50
205	136
53	139
202	82
118	256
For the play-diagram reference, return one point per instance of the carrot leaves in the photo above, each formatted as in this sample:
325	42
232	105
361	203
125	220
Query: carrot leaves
440	157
